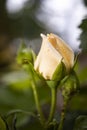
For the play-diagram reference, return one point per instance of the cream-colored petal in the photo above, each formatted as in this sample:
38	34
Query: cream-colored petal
66	52
47	59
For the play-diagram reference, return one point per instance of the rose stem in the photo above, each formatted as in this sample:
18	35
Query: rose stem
42	119
53	103
63	115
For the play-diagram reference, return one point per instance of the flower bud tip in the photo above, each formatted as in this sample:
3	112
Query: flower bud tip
42	35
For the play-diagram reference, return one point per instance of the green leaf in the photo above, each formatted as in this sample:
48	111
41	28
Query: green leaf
16	118
11	121
2	124
81	123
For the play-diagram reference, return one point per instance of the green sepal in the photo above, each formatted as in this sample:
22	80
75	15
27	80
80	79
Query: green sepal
33	75
70	85
52	84
59	72
75	60
57	76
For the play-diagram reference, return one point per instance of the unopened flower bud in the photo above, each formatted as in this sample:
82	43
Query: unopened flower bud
55	57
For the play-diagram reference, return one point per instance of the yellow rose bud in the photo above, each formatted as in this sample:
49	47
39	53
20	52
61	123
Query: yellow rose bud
53	52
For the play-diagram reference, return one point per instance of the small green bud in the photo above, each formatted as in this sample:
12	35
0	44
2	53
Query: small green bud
25	55
70	85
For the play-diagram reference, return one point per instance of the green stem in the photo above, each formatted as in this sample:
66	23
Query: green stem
53	104
63	115
42	119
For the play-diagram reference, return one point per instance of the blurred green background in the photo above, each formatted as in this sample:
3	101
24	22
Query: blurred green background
26	19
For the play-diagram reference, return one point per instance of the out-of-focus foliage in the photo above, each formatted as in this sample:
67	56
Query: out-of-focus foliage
83	36
85	1
20	24
82	73
81	123
79	100
20	120
17	94
2	124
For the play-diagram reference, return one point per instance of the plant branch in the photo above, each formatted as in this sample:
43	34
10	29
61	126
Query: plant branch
42	119
53	104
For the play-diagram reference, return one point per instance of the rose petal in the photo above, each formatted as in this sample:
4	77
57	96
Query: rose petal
66	52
